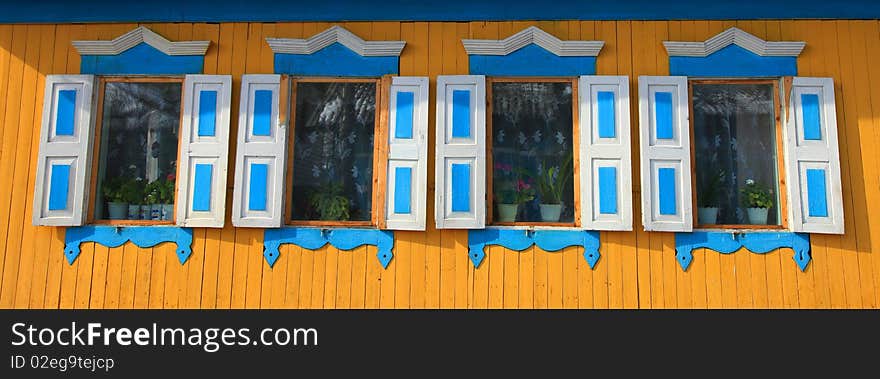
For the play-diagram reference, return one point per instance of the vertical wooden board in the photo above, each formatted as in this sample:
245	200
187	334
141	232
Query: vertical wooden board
12	103
290	290
127	275
157	276
319	264
585	283
728	278
570	257
600	277
386	285
402	261
540	293
83	265
114	277
526	276
758	280
495	266
221	283
191	290
67	292
256	267
343	279
464	273
358	277
873	52
510	288
640	45
428	61
448	268
697	274
330	273
481	278
372	282
789	280
307	266
57	261
5	57
774	280
143	273
99	277
743	272
42	249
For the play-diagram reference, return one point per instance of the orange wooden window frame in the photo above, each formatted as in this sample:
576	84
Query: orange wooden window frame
780	159
96	152
575	150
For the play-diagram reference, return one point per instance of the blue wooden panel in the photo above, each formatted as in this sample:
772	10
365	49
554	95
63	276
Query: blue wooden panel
65	119
59	186
262	113
340	238
663	115
258	184
335	60
202	187
142	59
461	187
207	113
531	60
812	119
141	236
404	120
520	240
402	190
606	116
817	193
608	190
461	114
733	61
666	187
727	243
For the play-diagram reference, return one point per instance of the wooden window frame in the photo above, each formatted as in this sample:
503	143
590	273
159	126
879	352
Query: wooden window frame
380	149
96	148
780	156
575	129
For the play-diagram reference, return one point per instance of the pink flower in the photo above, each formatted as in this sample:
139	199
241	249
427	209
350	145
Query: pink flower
521	185
170	177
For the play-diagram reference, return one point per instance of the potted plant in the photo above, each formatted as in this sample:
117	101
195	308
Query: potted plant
116	205
330	203
757	201
133	192
551	182
152	200
166	197
510	191
707	208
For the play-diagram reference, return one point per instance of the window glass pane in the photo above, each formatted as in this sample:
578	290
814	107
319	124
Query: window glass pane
333	151
532	125
736	154
138	152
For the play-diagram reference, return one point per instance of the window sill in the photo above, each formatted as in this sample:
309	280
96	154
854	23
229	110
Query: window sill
115	236
759	241
535	227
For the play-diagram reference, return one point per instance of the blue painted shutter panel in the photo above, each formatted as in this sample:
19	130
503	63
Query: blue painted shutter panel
460	162
64	157
604	156
406	192
664	139
204	143
259	161
812	160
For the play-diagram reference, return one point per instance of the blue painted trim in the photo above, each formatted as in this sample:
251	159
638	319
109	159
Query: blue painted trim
202	187
48	11
66	112
519	240
59	187
663	115
607	190
259	180
666	186
207	113
336	60
402	190
461	187
817	197
531	60
142	236
262	122
314	238
726	243
142	59
403	126
812	119
461	113
606	115
733	61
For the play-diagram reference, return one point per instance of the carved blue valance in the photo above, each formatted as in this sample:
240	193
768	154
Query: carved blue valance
532	52
756	242
519	240
141	52
142	236
336	52
733	53
314	238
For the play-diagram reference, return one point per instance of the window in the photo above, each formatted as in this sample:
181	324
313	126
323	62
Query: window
737	154
531	161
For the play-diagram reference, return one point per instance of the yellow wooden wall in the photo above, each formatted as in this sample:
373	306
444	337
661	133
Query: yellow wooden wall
431	269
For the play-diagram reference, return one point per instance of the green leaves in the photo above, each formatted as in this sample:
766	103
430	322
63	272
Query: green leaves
553	180
329	202
754	195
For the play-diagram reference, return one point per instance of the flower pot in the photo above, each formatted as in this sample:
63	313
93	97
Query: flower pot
117	211
134	211
167	212
507	212
707	215
156	212
550	212
757	216
145	211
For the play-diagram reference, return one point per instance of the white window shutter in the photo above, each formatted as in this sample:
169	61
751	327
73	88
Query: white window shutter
259	159
407	154
460	161
204	143
64	160
812	158
605	168
664	131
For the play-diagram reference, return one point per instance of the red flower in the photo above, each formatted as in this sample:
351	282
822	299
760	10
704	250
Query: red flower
170	177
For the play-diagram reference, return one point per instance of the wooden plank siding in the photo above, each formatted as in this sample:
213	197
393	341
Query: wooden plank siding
431	269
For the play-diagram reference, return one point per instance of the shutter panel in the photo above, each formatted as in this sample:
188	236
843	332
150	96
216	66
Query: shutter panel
605	168
64	160
812	158
407	154
460	162
664	132
204	142
259	159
